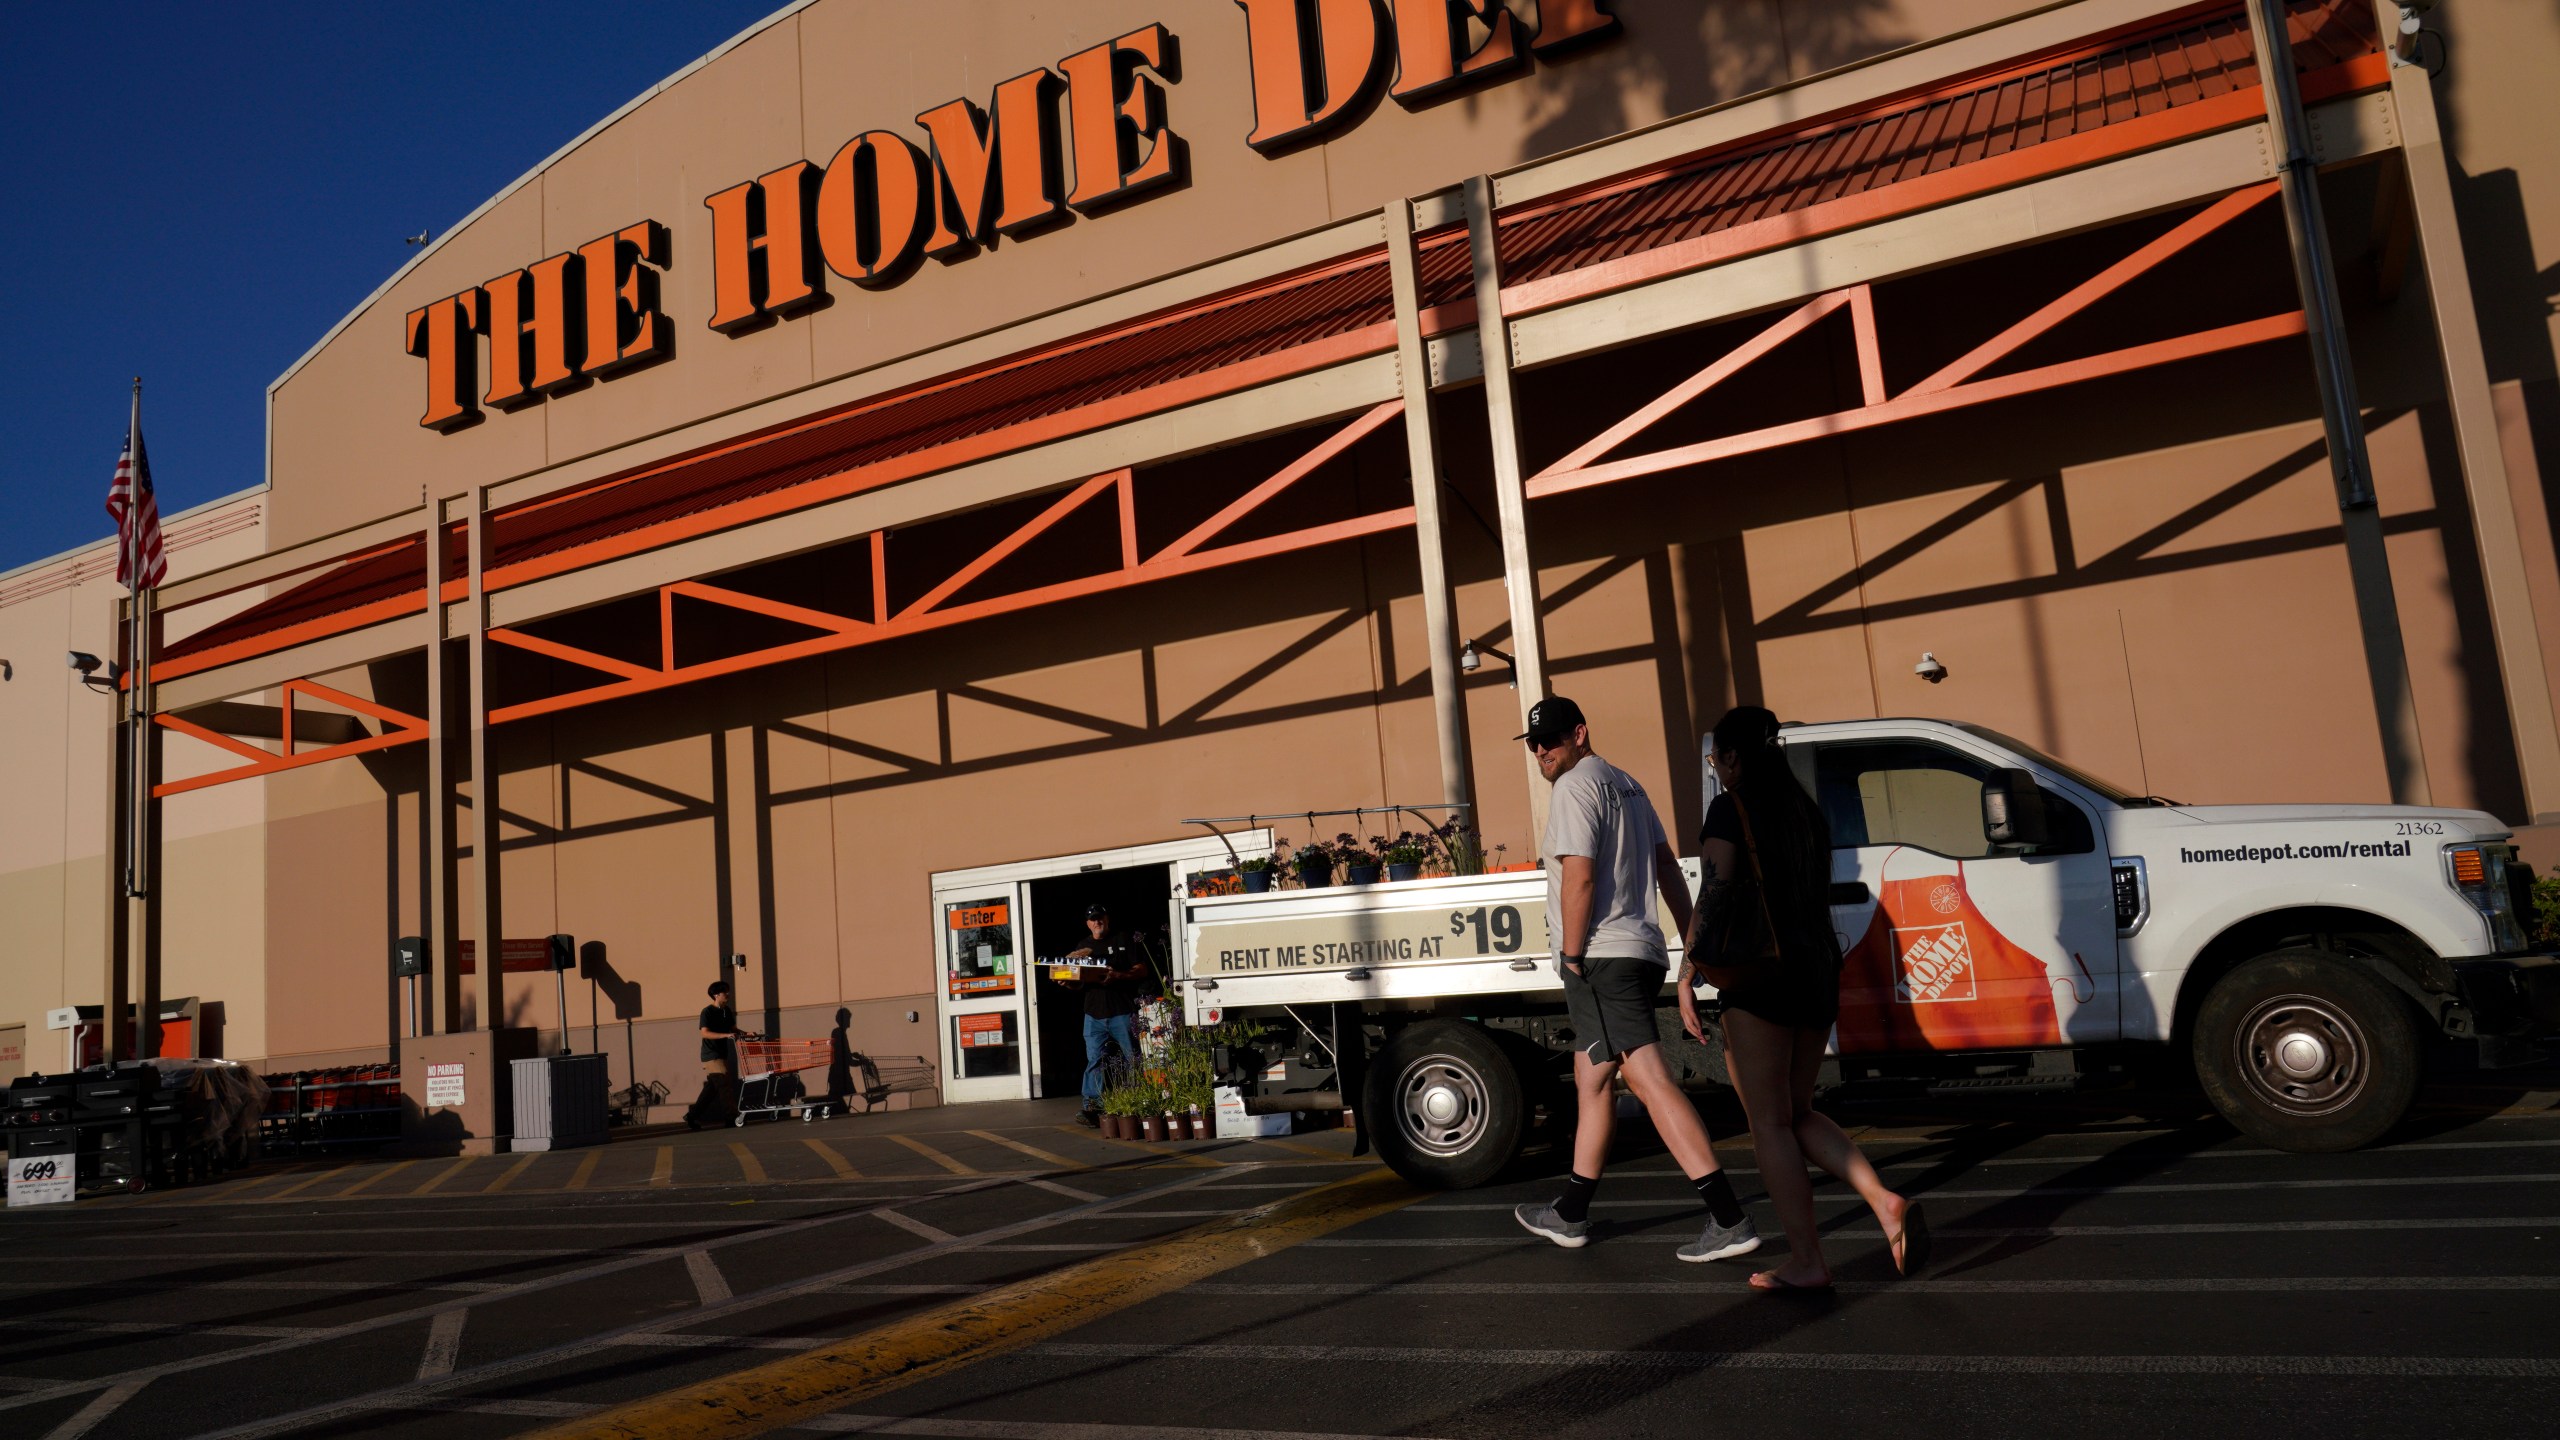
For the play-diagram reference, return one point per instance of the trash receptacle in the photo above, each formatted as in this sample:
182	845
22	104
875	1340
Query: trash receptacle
560	1102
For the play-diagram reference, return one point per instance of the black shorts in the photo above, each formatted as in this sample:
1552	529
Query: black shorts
1610	1005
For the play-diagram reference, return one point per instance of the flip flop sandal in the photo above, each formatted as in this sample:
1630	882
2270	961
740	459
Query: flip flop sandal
1768	1283
1915	1242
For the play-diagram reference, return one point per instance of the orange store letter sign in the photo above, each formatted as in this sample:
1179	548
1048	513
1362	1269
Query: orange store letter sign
552	326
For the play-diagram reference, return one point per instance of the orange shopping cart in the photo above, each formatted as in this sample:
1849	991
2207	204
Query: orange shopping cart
769	1080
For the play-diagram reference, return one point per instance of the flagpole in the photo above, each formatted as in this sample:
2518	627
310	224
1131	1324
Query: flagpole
131	540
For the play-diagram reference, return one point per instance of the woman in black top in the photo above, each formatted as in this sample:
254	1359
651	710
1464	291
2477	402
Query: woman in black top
1779	1010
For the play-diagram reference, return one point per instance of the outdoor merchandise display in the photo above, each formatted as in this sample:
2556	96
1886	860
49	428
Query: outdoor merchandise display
128	1126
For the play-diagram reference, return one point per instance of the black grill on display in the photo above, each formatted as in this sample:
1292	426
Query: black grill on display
120	1125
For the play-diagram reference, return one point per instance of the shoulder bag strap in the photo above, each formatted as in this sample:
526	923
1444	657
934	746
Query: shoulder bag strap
1759	881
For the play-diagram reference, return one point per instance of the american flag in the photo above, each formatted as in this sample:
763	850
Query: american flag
140	562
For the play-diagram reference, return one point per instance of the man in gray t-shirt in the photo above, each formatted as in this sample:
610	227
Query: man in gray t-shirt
1606	857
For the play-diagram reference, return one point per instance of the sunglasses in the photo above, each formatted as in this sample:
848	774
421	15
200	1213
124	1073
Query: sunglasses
1541	744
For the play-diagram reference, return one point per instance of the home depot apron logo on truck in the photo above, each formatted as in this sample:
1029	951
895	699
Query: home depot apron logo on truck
1933	973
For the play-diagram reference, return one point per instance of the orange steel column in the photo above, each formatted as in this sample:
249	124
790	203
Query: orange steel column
487	908
1422	456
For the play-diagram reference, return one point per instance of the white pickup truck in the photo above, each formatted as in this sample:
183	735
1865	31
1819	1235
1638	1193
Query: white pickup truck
2001	914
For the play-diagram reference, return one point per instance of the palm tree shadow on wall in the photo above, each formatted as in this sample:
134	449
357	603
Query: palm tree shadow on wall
1660	65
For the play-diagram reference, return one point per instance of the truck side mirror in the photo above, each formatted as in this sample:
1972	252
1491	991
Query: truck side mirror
2013	811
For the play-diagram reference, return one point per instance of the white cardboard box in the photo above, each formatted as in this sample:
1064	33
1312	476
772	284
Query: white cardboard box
1234	1124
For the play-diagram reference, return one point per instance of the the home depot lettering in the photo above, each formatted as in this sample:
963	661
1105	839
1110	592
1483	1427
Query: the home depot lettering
1086	136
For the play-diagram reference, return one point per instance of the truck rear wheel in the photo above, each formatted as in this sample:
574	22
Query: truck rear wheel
2307	1054
1444	1105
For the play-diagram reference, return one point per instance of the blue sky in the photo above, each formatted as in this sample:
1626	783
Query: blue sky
197	192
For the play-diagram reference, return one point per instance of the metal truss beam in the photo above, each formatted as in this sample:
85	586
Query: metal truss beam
1951	388
404	728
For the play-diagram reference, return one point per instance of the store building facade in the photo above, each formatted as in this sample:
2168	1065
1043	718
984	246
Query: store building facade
881	482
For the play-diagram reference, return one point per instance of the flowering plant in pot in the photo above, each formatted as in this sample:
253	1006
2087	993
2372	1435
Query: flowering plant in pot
1190	1076
1257	873
1359	863
1462	845
1403	855
1121	1106
1314	864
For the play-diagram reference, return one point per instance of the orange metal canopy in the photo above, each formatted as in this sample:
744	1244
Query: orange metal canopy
2175	77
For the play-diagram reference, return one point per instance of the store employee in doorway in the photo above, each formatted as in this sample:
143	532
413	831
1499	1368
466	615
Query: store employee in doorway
718	1102
1110	1001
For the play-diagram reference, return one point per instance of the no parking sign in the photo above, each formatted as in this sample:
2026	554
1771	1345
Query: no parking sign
40	1179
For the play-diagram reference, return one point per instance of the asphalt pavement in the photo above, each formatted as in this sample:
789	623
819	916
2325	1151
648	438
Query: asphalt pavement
2108	1264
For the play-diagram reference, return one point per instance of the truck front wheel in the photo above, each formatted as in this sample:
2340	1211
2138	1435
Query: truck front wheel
1444	1104
2306	1053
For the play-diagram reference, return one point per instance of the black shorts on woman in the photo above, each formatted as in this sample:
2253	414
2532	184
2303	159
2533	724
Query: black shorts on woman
1800	988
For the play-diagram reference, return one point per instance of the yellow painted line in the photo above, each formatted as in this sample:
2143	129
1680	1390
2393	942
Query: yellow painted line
835	1161
376	1178
936	1156
1315	1150
524	1163
664	1172
586	1168
748	1164
1034	1151
1151	1148
299	1186
447	1173
236	1192
951	1336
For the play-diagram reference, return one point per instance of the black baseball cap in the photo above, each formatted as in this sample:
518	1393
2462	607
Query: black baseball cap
1552	719
1097	911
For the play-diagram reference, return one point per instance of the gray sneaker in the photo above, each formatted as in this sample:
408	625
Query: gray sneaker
1721	1242
1542	1219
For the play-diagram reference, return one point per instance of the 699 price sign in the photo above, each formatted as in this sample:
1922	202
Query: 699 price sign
41	1179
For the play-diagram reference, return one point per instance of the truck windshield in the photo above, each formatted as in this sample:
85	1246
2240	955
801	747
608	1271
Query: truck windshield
2077	775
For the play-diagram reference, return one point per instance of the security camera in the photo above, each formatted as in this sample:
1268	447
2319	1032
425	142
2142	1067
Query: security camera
89	667
1929	668
1468	660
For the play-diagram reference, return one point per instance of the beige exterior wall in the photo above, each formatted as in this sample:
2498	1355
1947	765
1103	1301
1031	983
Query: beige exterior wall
55	773
2143	577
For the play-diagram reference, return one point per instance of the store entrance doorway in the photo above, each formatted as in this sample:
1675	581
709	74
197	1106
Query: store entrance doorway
1140	899
1007	1031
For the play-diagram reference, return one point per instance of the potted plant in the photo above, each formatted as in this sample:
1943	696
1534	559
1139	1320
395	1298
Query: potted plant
1463	845
1403	855
1314	861
1120	1106
1155	1127
1256	872
1359	865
